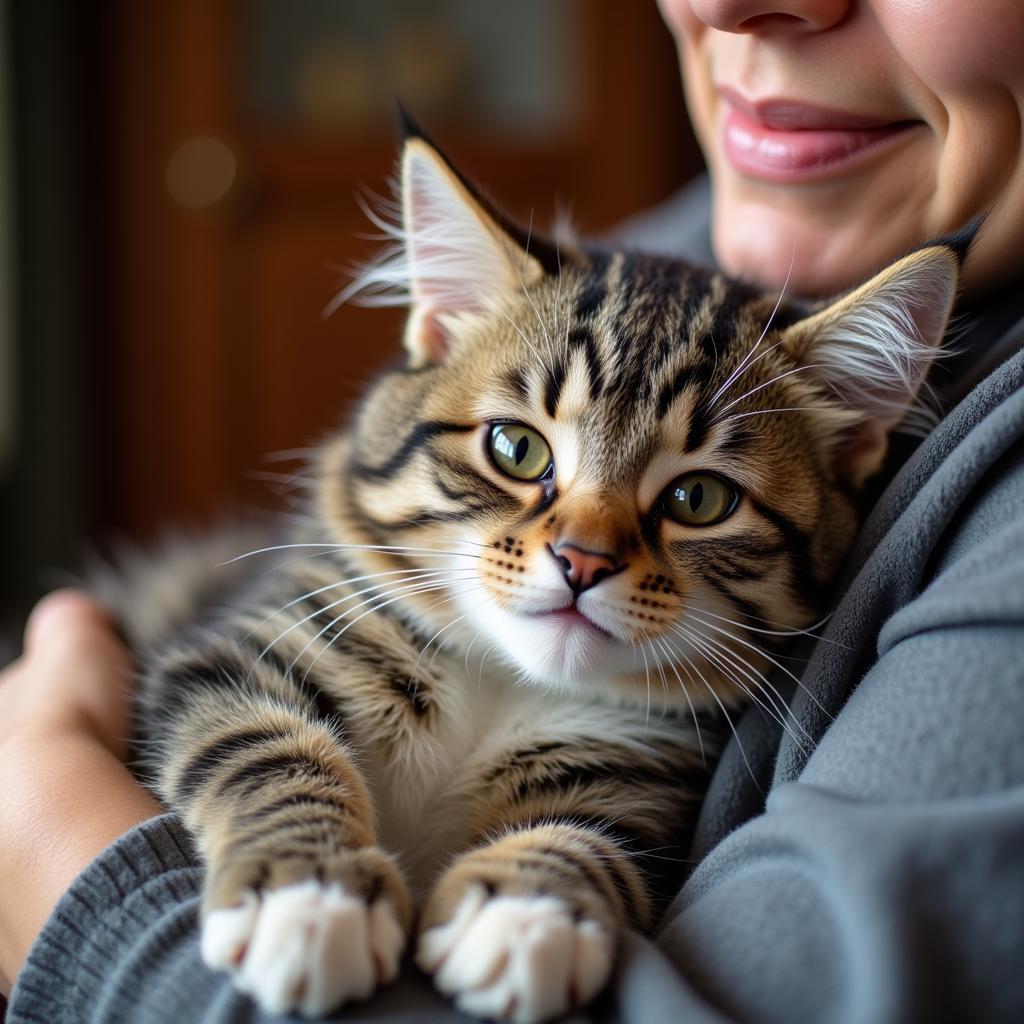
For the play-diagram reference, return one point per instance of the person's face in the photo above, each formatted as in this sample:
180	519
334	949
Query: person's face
841	133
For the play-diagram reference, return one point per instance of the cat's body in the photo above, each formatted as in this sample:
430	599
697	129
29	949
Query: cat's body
576	519
443	740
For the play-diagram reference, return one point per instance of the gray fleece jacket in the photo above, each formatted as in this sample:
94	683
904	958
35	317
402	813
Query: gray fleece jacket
871	872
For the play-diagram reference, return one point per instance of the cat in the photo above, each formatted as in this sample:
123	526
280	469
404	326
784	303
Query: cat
553	547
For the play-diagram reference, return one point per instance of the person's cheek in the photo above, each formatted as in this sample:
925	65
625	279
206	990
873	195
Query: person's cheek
680	18
954	44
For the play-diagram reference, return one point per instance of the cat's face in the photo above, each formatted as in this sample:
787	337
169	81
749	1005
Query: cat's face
623	472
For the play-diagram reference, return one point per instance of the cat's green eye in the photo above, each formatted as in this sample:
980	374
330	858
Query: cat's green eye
519	451
699	499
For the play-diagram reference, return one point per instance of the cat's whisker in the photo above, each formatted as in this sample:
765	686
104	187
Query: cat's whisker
745	362
770	632
437	650
647	674
290	455
767	383
292	488
423	651
399	548
729	722
469	649
732	663
480	670
419	577
529	298
419	557
293	480
718	660
331	586
661	672
411	591
686	693
540	359
406	576
765	412
653	855
341	600
455	622
764	654
406	592
441	630
762	355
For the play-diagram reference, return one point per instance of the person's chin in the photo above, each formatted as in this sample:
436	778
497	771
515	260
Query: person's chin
821	233
822	236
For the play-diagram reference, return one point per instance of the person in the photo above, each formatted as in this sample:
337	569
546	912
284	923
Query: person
868	869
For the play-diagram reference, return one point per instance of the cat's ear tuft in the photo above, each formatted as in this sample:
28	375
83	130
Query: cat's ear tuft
408	126
459	258
873	347
961	241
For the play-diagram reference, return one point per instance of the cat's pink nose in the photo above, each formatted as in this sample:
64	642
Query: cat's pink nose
582	568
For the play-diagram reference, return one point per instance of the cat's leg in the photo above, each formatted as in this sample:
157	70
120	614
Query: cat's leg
300	904
582	836
525	927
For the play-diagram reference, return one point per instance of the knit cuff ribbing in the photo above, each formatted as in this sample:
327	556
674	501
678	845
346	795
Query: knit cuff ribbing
84	963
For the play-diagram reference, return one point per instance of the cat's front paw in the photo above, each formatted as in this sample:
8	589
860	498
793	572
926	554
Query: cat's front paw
308	946
519	958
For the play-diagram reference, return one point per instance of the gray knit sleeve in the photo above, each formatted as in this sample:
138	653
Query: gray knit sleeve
133	908
122	947
884	879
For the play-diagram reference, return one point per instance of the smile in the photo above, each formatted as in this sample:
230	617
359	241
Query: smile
790	142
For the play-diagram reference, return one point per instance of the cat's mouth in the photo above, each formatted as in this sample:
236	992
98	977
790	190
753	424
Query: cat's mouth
569	618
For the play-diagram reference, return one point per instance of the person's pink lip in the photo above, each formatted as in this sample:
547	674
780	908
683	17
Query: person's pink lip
788	141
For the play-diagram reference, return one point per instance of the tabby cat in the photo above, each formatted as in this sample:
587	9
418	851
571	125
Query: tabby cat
486	679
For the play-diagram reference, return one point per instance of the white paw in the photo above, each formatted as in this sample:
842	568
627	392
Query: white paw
519	958
306	947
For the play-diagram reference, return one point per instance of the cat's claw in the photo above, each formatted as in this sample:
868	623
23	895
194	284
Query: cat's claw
306	948
518	958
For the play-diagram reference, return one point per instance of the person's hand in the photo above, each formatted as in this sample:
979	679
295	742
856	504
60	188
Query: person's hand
65	727
75	677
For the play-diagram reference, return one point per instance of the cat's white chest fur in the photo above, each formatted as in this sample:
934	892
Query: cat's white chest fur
429	793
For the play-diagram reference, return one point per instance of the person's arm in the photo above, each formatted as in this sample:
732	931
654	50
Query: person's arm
65	792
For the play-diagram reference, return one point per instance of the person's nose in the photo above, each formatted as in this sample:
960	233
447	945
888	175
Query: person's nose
771	16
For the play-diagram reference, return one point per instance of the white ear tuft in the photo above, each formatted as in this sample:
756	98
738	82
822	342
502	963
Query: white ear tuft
459	260
874	347
449	256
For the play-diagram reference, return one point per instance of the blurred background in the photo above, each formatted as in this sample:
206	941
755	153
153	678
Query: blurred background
177	195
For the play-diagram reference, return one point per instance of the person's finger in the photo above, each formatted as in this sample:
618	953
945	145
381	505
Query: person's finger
70	621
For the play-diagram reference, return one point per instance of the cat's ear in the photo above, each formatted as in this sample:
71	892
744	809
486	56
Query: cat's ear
461	256
872	348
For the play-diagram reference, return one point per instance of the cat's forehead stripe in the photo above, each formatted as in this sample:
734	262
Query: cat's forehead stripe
595	287
515	383
697	374
582	357
634	337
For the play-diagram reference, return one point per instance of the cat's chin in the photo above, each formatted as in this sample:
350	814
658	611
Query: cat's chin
563	650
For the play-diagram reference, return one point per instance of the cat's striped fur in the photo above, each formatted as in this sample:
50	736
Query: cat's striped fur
395	715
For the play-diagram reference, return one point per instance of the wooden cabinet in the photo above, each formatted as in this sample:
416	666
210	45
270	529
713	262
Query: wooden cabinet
233	138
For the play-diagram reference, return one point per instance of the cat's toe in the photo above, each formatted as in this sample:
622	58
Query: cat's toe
519	958
307	947
226	933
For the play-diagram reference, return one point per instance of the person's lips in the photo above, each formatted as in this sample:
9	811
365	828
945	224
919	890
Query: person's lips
788	141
